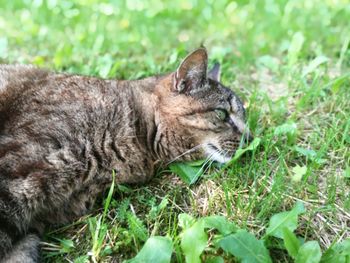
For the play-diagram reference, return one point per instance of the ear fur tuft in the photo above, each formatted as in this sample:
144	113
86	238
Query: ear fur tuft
192	72
215	72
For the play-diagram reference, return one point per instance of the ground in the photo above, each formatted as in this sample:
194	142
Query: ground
288	60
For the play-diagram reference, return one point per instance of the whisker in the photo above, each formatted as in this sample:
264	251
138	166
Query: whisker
207	168
209	159
220	152
187	152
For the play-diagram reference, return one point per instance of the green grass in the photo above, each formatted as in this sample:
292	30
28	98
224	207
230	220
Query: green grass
288	60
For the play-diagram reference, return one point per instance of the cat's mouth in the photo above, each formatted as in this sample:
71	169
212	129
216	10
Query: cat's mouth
214	153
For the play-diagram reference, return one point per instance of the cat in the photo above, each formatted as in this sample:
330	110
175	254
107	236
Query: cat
62	135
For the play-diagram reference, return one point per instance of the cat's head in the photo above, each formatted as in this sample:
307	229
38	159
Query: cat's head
197	116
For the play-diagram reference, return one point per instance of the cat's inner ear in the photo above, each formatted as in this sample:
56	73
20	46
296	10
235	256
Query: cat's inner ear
192	72
215	72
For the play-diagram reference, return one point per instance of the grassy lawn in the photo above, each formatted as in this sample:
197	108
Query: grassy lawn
288	60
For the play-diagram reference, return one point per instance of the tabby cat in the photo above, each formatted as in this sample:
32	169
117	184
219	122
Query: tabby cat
61	135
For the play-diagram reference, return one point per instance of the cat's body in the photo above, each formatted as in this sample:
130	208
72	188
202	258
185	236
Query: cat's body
62	135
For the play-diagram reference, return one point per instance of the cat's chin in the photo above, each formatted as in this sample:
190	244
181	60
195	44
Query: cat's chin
221	158
214	154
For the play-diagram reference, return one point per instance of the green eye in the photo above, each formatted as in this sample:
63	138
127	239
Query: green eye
221	114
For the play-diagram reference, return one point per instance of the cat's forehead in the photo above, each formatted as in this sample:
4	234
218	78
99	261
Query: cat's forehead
212	90
217	95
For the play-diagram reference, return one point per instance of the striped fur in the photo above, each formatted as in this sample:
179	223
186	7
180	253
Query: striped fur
61	136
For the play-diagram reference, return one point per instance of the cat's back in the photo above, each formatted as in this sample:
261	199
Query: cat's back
14	79
16	74
40	100
7	72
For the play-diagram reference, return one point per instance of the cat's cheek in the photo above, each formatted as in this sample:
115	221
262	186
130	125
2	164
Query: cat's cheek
191	122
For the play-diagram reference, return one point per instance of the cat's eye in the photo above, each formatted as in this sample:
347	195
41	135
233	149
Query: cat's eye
221	114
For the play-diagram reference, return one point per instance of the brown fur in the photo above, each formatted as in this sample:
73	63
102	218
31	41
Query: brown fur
61	135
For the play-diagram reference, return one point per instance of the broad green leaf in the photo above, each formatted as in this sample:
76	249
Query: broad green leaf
291	242
313	65
188	173
196	163
157	249
220	223
193	241
67	245
186	221
295	48
310	252
306	152
282	220
252	146
245	247
298	173
215	260
285	129
338	253
310	154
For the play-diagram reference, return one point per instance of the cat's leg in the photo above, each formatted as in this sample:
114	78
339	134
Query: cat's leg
14	224
5	243
9	228
15	245
26	250
82	200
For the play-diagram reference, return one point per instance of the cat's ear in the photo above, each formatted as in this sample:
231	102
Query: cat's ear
215	72
192	72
